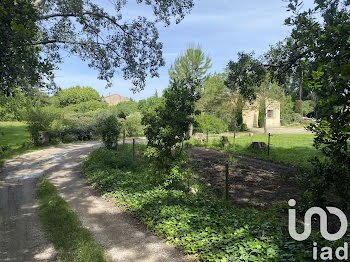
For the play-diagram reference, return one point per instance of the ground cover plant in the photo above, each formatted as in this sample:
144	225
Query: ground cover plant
295	149
72	241
208	228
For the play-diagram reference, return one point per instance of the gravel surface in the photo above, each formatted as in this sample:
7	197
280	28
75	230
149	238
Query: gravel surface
21	235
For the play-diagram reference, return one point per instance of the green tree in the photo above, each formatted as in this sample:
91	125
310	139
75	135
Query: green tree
132	124
21	64
149	104
325	43
193	64
210	123
109	129
223	102
13	107
45	119
124	109
320	36
76	95
89	106
97	34
166	128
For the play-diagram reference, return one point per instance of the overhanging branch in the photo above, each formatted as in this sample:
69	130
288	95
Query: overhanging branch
112	20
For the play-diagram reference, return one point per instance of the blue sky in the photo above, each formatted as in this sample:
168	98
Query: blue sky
222	28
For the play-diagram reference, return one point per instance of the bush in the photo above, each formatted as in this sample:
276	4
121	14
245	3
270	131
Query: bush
88	106
83	126
308	107
293	118
109	129
287	108
210	123
299	106
4	148
167	126
132	124
243	127
45	120
69	138
124	109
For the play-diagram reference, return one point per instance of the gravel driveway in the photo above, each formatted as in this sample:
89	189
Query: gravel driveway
21	235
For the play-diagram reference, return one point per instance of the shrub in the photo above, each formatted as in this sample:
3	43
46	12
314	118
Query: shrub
83	126
292	118
243	127
132	124
210	123
69	138
45	119
308	107
166	129
4	148
109	129
88	106
13	107
124	109
299	106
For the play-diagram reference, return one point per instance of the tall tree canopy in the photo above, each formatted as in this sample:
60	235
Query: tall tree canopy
76	95
34	34
192	64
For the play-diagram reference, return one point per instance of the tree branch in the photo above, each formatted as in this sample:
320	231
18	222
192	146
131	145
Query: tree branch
85	13
56	41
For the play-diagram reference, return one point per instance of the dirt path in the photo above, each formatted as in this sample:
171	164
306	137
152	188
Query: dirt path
253	182
21	236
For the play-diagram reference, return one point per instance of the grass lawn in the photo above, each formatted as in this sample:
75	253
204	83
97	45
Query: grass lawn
72	241
295	149
16	137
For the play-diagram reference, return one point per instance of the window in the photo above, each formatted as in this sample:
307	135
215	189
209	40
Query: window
269	113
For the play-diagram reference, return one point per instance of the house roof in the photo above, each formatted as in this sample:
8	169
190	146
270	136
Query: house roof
115	99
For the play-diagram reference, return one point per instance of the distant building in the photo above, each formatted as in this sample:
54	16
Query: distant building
250	114
113	100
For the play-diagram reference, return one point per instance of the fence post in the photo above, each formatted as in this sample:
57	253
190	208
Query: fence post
226	183
207	136
268	145
133	149
124	137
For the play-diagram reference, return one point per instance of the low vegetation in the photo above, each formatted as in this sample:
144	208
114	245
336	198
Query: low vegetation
72	241
14	140
295	149
208	228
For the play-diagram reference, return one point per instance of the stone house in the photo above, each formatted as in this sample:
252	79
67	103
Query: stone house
113	100
250	114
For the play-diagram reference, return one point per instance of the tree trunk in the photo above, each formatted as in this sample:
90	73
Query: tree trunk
301	87
265	118
191	130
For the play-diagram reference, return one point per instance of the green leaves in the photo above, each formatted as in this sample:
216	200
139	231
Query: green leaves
109	129
166	128
76	95
21	63
199	224
192	64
